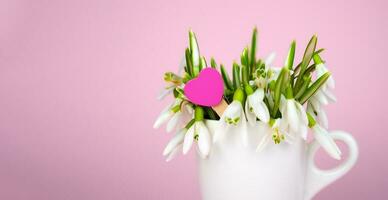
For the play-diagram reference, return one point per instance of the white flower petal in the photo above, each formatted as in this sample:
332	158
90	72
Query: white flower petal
303	132
282	105
292	116
259	107
204	140
322	119
327	142
174	121
315	103
233	110
175	141
173	153
258	95
321	97
251	117
262	112
162	118
320	70
330	82
189	139
302	113
330	96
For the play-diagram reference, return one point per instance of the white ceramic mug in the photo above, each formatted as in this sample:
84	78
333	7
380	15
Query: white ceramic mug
279	172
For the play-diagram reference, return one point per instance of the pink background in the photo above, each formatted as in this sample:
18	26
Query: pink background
78	81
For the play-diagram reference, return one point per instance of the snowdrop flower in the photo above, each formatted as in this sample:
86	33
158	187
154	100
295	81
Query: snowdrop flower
175	114
315	108
277	130
174	145
294	114
324	94
182	116
255	106
166	114
324	139
198	132
233	116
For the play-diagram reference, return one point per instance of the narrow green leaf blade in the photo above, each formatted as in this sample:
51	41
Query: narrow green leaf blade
195	55
189	64
202	63
236	76
253	49
306	83
227	82
244	71
213	63
291	55
279	87
314	87
308	53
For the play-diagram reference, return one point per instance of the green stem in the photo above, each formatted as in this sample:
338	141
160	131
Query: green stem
198	115
239	95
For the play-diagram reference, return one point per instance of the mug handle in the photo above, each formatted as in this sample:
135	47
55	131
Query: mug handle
317	179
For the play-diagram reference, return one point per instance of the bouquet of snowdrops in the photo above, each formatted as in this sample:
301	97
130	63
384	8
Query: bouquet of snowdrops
289	100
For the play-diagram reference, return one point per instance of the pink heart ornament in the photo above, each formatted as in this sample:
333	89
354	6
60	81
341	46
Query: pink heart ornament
205	90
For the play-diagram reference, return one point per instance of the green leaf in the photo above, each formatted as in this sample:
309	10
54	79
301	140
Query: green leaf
306	83
172	77
213	63
194	48
319	51
314	88
210	112
243	57
279	87
317	59
236	76
252	57
308	54
291	55
227	82
311	120
202	63
244	71
189	64
310	69
198	113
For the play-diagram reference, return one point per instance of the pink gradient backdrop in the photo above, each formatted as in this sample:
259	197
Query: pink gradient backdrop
78	81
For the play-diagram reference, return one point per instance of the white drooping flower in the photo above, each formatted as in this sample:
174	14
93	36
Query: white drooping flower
276	130
174	145
256	108
198	132
324	95
326	141
295	116
315	108
182	116
175	114
233	116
